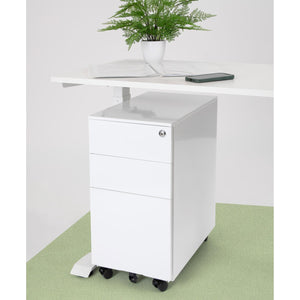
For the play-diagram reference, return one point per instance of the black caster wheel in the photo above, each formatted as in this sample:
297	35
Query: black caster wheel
206	239
106	273
155	282
133	277
160	284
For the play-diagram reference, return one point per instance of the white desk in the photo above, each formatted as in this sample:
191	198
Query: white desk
250	80
254	80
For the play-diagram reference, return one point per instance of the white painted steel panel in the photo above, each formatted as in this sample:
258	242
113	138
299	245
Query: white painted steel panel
130	140
131	233
131	175
194	183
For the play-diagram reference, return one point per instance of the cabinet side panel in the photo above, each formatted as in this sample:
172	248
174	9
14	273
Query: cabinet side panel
194	183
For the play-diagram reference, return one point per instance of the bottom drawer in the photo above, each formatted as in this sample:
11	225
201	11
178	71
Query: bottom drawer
131	233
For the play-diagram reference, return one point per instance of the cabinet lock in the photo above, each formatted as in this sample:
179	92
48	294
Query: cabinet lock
162	133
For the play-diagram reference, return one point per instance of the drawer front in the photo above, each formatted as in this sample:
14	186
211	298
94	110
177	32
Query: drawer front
131	233
131	175
130	140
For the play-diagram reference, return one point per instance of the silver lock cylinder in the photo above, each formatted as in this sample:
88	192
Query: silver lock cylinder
162	133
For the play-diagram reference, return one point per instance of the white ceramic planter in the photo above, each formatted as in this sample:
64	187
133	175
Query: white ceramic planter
153	51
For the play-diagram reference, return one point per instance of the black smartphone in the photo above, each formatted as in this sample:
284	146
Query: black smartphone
209	77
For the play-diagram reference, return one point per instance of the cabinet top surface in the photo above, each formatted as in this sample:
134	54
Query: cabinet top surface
154	108
250	80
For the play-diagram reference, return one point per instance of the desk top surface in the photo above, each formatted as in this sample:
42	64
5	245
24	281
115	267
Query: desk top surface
250	80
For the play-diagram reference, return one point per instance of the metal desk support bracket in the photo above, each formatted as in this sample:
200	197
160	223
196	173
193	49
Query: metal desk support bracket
121	94
84	266
66	85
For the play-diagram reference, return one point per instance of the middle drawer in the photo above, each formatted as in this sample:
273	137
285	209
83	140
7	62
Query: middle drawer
131	175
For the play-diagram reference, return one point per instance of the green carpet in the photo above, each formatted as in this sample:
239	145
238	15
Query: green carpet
235	263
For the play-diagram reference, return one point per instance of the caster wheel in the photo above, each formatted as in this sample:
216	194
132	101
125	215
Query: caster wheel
133	277
101	270
155	282
163	285
160	284
106	273
206	239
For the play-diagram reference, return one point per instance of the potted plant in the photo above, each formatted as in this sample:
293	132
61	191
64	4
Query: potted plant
153	22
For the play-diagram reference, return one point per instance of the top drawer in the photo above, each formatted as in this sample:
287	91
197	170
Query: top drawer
130	140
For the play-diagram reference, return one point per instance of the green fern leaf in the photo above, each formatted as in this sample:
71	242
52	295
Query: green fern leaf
155	20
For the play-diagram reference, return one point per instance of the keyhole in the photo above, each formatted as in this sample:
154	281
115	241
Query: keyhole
162	133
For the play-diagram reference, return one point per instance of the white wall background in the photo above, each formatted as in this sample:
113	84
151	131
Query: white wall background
62	36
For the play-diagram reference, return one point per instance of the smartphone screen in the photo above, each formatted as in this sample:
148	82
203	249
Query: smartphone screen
210	76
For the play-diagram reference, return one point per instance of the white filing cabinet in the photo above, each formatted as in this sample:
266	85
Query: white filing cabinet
152	183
